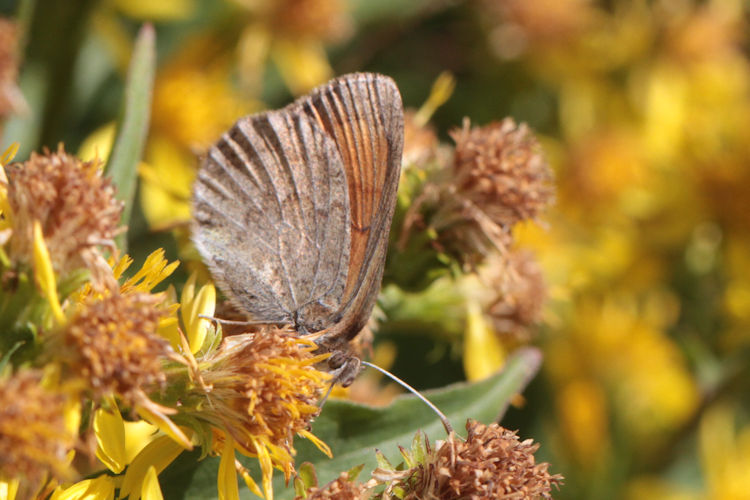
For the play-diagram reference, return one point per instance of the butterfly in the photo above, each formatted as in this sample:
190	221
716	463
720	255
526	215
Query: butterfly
292	210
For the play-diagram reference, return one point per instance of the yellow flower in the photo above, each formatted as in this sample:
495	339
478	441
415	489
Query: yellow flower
725	454
260	391
292	33
163	10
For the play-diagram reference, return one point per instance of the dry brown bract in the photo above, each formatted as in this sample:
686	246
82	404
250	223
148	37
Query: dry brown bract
519	293
500	168
116	348
75	206
33	438
340	489
491	463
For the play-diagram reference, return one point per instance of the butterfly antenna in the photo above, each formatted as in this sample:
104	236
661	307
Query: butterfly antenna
443	418
328	393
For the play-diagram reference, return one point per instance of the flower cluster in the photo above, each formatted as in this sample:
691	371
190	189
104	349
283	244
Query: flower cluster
491	463
104	342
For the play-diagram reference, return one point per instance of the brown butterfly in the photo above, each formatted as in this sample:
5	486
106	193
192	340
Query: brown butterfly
293	208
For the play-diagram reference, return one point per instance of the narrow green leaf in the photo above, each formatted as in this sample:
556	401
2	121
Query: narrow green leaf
354	431
122	166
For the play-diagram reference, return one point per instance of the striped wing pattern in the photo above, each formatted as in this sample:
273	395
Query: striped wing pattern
292	208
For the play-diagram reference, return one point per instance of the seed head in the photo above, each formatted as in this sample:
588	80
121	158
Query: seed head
73	203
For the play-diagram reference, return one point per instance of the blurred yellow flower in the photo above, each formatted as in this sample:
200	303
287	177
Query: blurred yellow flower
163	10
725	454
483	352
293	34
582	408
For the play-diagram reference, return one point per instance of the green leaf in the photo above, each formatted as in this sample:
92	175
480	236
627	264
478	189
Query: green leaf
122	166
353	431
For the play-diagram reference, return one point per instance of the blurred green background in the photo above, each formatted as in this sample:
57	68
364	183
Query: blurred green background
643	111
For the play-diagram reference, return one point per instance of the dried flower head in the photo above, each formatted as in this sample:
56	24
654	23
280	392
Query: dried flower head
11	100
262	389
115	347
491	463
73	203
342	488
500	169
34	437
519	293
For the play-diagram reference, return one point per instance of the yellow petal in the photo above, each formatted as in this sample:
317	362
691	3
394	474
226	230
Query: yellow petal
266	467
317	442
137	436
166	183
98	144
204	305
8	489
150	489
157	454
156	417
5	210
483	353
250	482
110	438
227	478
99	488
441	91
303	64
169	328
44	274
153	272
8	155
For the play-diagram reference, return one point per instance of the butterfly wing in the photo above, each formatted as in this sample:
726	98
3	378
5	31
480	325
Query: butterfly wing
270	218
293	207
364	115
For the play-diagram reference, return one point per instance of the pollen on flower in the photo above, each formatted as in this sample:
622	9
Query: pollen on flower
263	388
500	168
114	345
491	463
73	203
34	439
